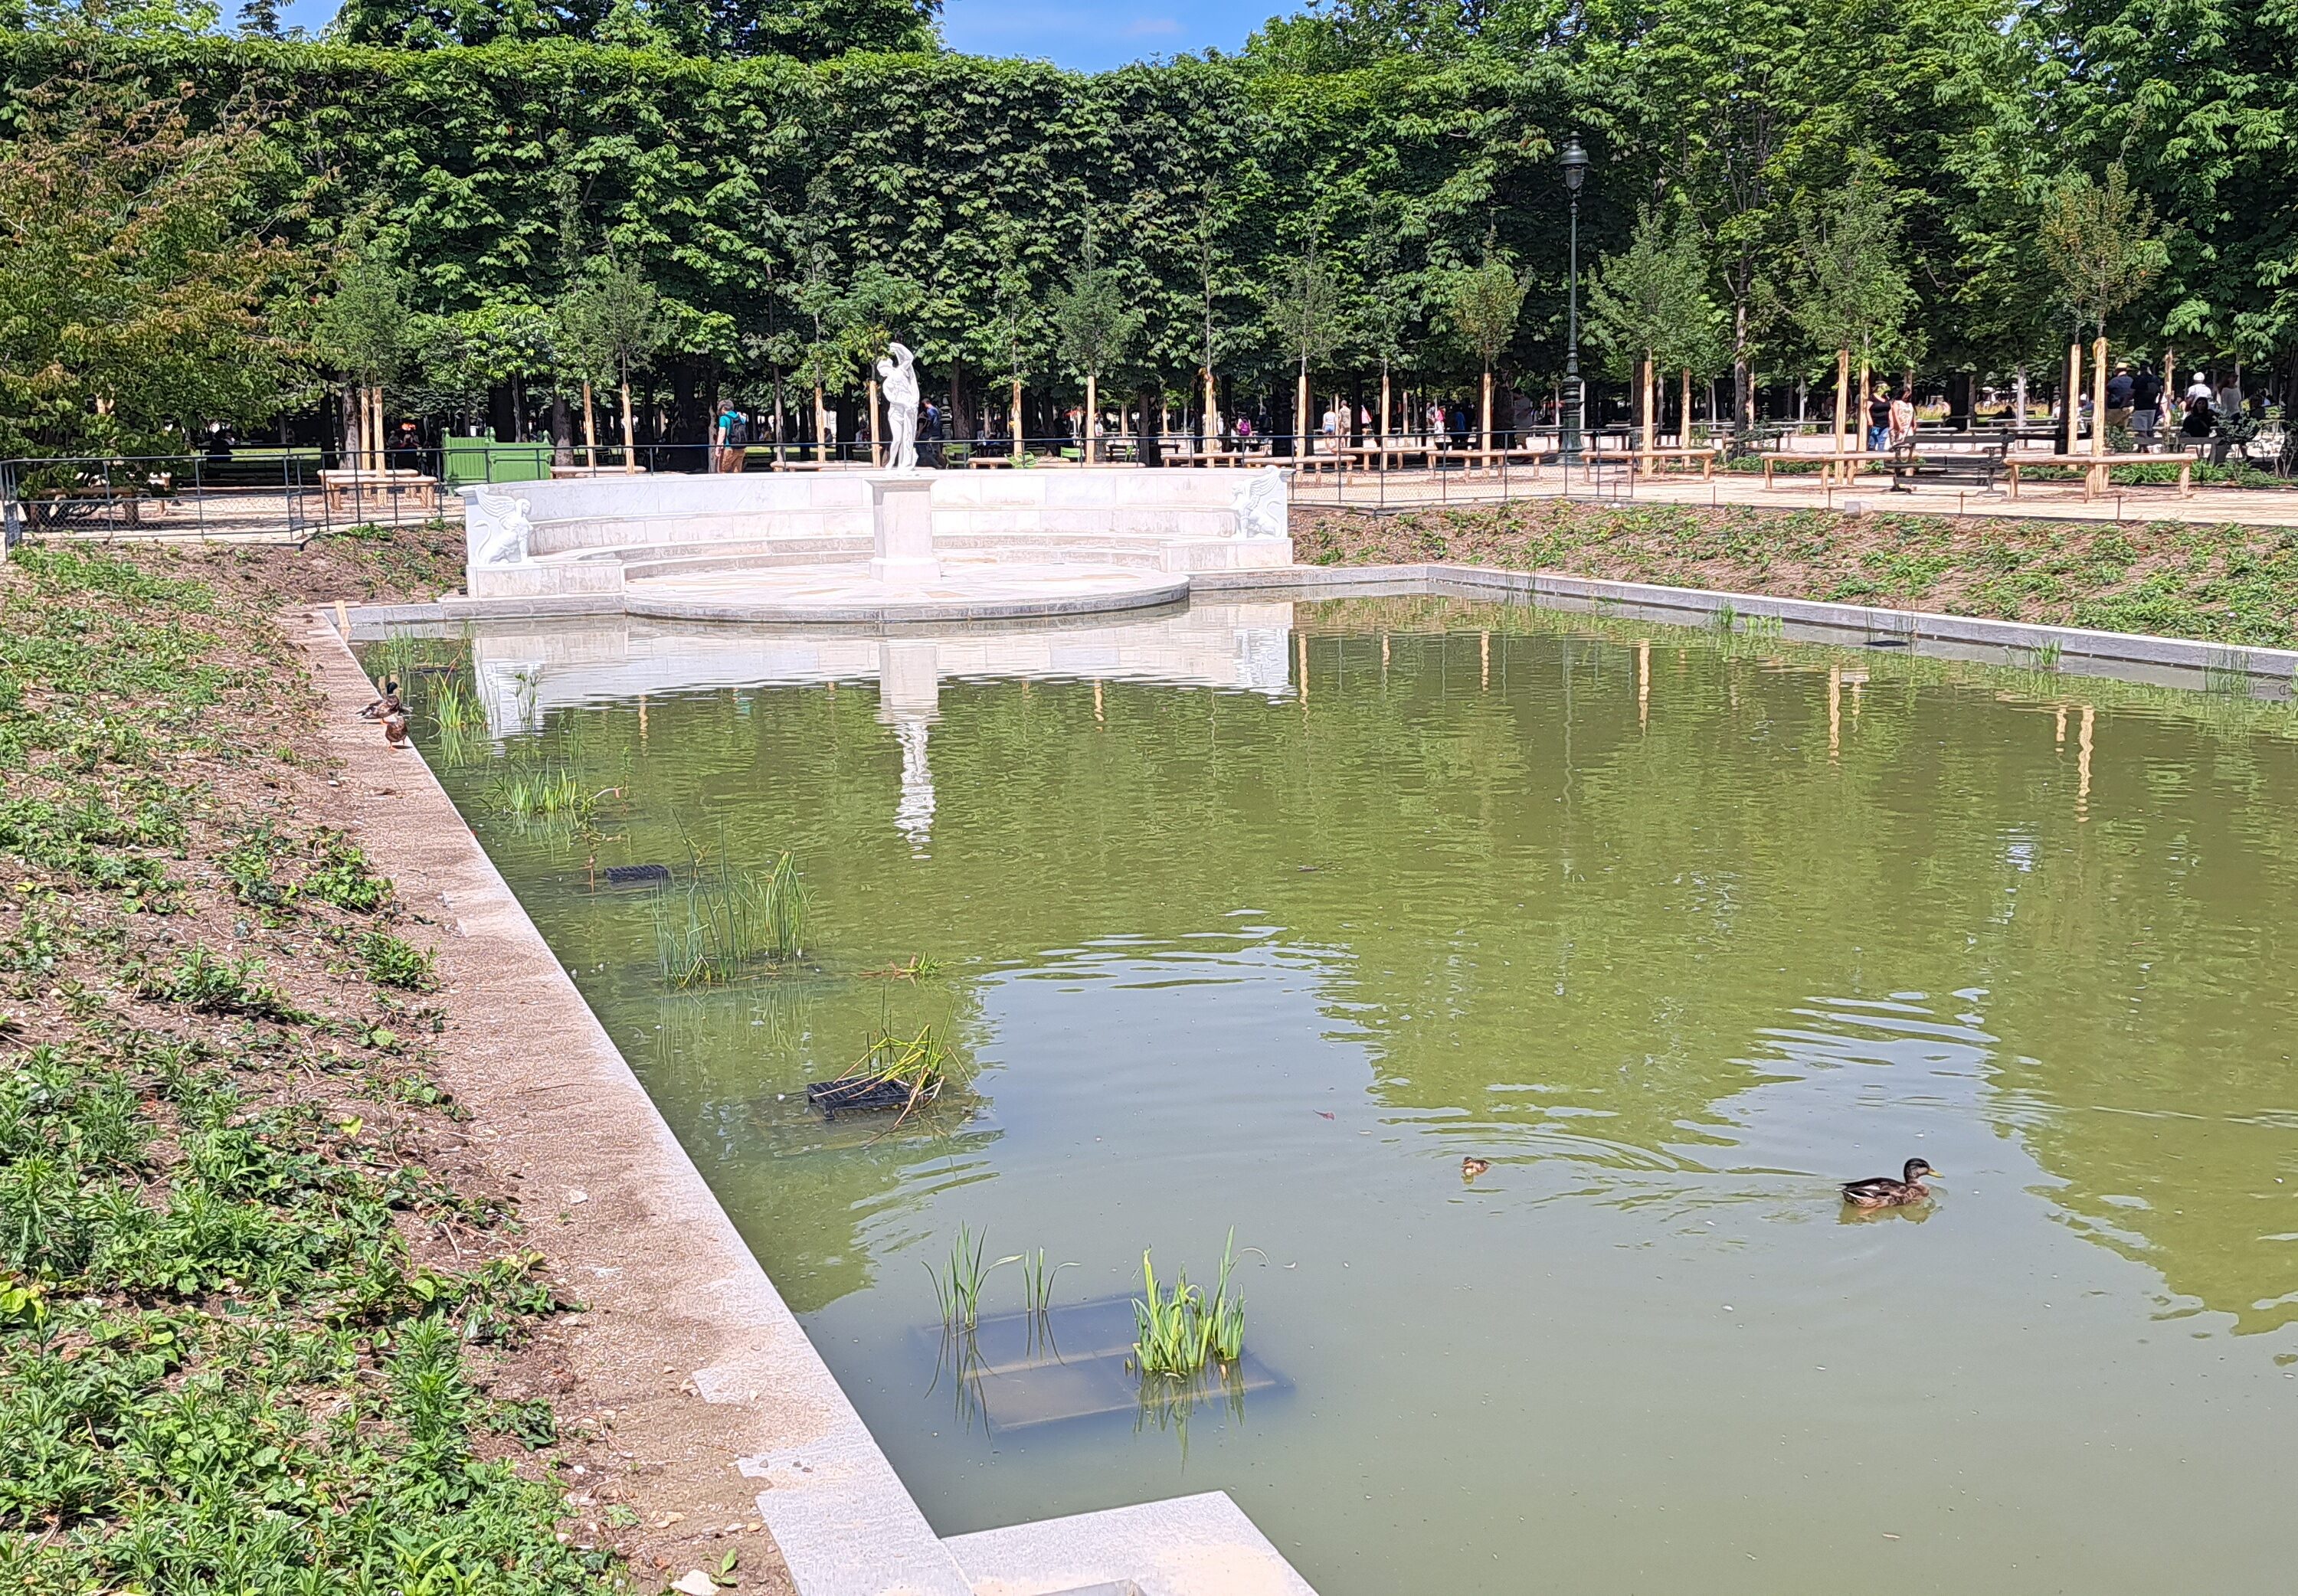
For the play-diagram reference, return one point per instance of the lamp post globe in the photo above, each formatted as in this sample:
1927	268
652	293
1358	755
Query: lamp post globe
1575	420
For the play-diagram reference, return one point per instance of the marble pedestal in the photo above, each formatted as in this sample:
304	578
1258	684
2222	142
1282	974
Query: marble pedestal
902	543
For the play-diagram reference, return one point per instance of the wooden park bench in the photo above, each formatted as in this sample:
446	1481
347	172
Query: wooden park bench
1702	454
350	492
1847	464
2098	469
1963	468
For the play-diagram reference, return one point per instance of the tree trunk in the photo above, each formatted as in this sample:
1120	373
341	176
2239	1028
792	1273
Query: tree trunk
2019	395
590	427
562	432
2072	404
1866	395
1017	420
877	442
2098	398
820	426
1212	422
1384	415
1300	419
1683	412
782	457
1743	393
1644	383
630	428
1092	419
1486	414
1842	393
2169	384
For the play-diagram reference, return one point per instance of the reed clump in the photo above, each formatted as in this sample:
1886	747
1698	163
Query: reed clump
549	798
919	1066
725	921
1181	1329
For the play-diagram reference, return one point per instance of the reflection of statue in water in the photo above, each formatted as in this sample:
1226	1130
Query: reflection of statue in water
914	815
897	373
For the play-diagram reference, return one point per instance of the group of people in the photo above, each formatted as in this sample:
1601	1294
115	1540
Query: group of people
2135	402
1890	420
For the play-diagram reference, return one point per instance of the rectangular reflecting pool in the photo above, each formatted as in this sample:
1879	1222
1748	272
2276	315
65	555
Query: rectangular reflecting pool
1264	917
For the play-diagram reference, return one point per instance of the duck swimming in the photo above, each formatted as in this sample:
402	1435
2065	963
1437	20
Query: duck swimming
1471	1168
1883	1192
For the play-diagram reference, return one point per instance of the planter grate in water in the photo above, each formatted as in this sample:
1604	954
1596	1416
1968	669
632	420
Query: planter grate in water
836	1097
1075	1363
638	875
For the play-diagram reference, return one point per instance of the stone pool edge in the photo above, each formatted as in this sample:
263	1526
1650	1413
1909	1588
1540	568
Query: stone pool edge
1869	622
2077	648
557	1101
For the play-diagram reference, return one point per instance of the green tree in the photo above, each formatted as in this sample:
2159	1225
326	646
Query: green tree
1481	303
1852	292
1093	326
360	331
2099	241
611	324
1649	308
1305	310
137	277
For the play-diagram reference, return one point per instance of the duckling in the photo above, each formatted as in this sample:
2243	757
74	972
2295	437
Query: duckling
1471	1168
387	704
1883	1192
394	728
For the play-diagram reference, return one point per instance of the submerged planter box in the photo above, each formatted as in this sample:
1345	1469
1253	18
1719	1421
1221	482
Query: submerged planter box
1020	1370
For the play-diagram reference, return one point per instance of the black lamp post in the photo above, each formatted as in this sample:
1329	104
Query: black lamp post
1574	419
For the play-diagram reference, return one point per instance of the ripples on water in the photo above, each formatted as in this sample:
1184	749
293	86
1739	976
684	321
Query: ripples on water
1678	932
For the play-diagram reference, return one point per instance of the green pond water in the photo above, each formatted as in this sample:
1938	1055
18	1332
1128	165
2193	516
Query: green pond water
1264	917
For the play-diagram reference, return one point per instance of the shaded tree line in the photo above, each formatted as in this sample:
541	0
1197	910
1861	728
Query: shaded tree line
608	218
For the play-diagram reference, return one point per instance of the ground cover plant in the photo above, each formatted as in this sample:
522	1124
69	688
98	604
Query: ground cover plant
259	1331
2225	583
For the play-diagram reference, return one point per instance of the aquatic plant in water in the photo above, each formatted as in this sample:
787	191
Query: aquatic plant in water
919	1066
1181	1329
1037	1280
959	1291
726	920
550	798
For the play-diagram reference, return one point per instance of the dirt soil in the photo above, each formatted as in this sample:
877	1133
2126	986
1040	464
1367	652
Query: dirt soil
642	1459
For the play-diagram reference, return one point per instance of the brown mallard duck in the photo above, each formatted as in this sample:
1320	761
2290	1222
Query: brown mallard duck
394	728
1471	1168
1883	1192
385	703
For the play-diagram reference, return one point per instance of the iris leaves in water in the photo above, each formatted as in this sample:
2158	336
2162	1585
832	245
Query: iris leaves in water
1182	1329
725	921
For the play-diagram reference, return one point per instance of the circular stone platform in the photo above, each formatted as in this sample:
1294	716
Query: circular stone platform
847	595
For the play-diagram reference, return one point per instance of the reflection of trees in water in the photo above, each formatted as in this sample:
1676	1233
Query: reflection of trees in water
1559	881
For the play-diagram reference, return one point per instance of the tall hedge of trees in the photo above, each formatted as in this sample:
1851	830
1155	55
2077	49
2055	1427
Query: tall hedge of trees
747	162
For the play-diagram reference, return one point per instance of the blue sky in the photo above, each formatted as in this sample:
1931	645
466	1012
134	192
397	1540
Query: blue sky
1069	34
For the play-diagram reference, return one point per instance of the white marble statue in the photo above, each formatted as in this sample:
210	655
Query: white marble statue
503	530
1260	504
898	376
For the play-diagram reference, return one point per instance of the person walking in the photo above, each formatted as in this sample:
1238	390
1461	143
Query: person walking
727	438
1903	420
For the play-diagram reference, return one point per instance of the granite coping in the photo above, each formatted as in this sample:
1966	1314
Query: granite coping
2076	647
1189	1546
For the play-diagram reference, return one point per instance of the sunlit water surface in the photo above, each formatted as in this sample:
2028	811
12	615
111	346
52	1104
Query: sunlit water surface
1265	916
